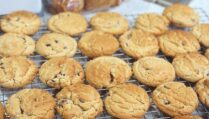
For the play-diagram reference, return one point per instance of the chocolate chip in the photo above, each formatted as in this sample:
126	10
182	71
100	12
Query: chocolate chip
48	45
65	47
56	41
111	77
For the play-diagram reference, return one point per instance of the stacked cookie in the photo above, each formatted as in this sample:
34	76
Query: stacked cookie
79	98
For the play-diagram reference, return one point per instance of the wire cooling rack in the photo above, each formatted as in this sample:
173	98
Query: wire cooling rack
153	112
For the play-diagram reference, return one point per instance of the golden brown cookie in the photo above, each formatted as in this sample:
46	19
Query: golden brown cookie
16	72
60	72
188	117
12	44
152	23
201	31
31	104
176	42
1	111
137	44
181	15
202	89
109	22
23	22
68	22
175	99
79	101
153	71
98	43
127	101
107	71
191	67
207	53
54	45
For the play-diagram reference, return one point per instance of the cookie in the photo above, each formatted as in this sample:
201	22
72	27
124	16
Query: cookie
153	71
79	101
207	53
137	44
191	67
68	23
31	104
127	101
176	42
152	23
107	71
60	72
181	15
201	32
175	99
12	44
54	45
97	43
16	72
109	22
188	117
22	22
202	89
1	111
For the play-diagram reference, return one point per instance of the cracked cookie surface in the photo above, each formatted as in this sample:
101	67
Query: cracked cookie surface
191	67
181	15
54	44
107	71
188	117
127	101
175	99
60	72
201	31
31	104
109	22
202	89
152	23
68	23
153	71
176	42
79	101
16	72
22	22
1	111
137	44
98	43
12	44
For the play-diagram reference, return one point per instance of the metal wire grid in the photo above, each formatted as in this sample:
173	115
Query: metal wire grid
153	112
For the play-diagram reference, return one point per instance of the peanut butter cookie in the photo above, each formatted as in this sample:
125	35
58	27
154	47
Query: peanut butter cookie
201	32
16	72
60	72
191	67
109	22
176	42
79	101
153	71
181	15
127	101
98	43
54	45
12	44
22	22
202	89
152	23
175	99
1	111
31	104
107	71
68	22
137	44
